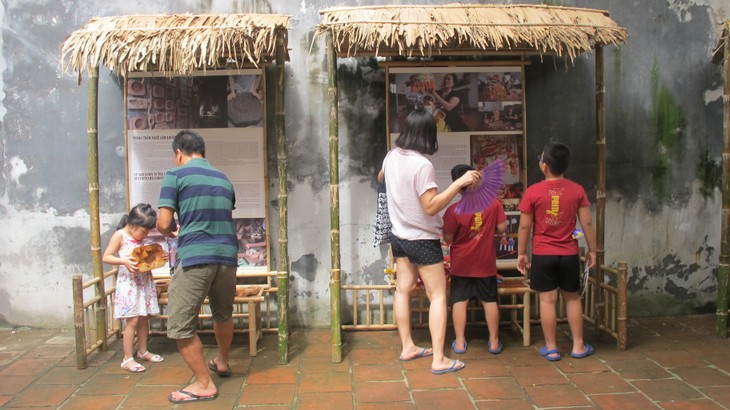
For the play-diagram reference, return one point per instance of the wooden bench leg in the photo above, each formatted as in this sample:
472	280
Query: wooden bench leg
526	318
254	326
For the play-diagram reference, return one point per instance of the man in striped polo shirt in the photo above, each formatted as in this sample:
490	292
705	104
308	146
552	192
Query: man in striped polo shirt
205	264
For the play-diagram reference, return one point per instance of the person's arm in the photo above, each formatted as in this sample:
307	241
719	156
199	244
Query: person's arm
381	176
110	254
433	201
584	217
501	228
166	222
523	235
231	88
447	105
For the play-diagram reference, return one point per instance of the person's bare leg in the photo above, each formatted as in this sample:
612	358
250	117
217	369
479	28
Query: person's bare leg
434	279
191	350
130	328
574	310
548	317
405	282
223	337
458	314
491	312
143	330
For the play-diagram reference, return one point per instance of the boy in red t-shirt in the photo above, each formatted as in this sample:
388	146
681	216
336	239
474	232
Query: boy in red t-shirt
549	209
474	264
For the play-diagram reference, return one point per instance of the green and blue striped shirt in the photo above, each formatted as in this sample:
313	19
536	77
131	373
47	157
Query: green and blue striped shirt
204	199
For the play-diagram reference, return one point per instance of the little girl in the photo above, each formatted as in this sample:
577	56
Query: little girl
136	298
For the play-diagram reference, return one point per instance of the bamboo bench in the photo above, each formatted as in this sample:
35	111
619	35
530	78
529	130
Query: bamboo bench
513	294
248	296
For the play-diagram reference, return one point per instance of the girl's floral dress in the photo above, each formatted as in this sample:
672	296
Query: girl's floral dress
135	294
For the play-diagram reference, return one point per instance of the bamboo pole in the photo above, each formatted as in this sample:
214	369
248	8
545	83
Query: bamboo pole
623	309
282	295
78	295
95	225
723	269
601	180
334	203
282	157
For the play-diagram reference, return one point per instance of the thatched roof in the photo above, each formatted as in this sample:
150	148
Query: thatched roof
720	49
414	31
174	44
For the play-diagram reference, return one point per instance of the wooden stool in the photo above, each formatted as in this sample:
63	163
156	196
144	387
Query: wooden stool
513	288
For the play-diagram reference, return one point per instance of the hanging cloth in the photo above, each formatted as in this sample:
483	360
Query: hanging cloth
381	229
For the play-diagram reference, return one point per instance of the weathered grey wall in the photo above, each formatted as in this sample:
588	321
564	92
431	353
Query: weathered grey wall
664	123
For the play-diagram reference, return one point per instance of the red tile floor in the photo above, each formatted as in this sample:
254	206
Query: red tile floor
671	363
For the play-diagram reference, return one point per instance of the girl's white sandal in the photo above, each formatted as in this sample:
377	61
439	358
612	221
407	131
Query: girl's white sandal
137	368
155	358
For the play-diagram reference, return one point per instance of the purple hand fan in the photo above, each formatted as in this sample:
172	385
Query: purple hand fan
476	199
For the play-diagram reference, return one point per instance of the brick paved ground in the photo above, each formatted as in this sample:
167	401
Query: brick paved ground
671	363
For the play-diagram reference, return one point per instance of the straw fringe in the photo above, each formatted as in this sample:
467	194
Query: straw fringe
174	44
424	30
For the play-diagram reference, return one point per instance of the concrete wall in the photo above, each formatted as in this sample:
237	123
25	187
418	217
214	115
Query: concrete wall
664	134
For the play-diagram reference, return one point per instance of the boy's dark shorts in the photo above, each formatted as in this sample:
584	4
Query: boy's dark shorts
421	252
552	272
466	288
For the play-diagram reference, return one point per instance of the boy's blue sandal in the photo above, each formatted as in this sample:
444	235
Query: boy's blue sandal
550	355
459	351
588	352
451	369
498	350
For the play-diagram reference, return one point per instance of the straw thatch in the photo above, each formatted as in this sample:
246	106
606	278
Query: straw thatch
719	50
174	44
426	31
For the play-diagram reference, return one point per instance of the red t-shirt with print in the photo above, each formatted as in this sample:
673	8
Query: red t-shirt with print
554	207
473	253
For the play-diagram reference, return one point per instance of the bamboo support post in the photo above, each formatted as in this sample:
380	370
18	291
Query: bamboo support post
335	310
282	296
622	325
601	181
723	268
95	225
78	295
282	157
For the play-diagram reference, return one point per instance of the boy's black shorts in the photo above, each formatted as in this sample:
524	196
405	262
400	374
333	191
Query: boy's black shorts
466	288
552	272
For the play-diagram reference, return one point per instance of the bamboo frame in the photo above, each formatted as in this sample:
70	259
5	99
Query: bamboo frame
723	273
153	45
282	157
92	132
601	176
334	203
351	32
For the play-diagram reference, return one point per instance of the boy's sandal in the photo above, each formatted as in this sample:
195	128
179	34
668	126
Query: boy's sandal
150	357
136	368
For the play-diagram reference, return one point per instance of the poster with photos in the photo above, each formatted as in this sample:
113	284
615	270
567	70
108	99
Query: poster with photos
479	116
486	148
252	243
461	99
506	243
226	107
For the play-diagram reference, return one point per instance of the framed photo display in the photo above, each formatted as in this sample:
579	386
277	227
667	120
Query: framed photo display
479	114
226	108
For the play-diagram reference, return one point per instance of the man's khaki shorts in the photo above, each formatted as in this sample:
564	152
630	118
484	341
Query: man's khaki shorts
188	289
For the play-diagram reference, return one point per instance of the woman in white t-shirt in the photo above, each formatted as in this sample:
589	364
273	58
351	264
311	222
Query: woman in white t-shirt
413	207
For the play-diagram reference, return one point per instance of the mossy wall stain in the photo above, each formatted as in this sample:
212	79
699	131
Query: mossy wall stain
668	121
361	87
709	174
